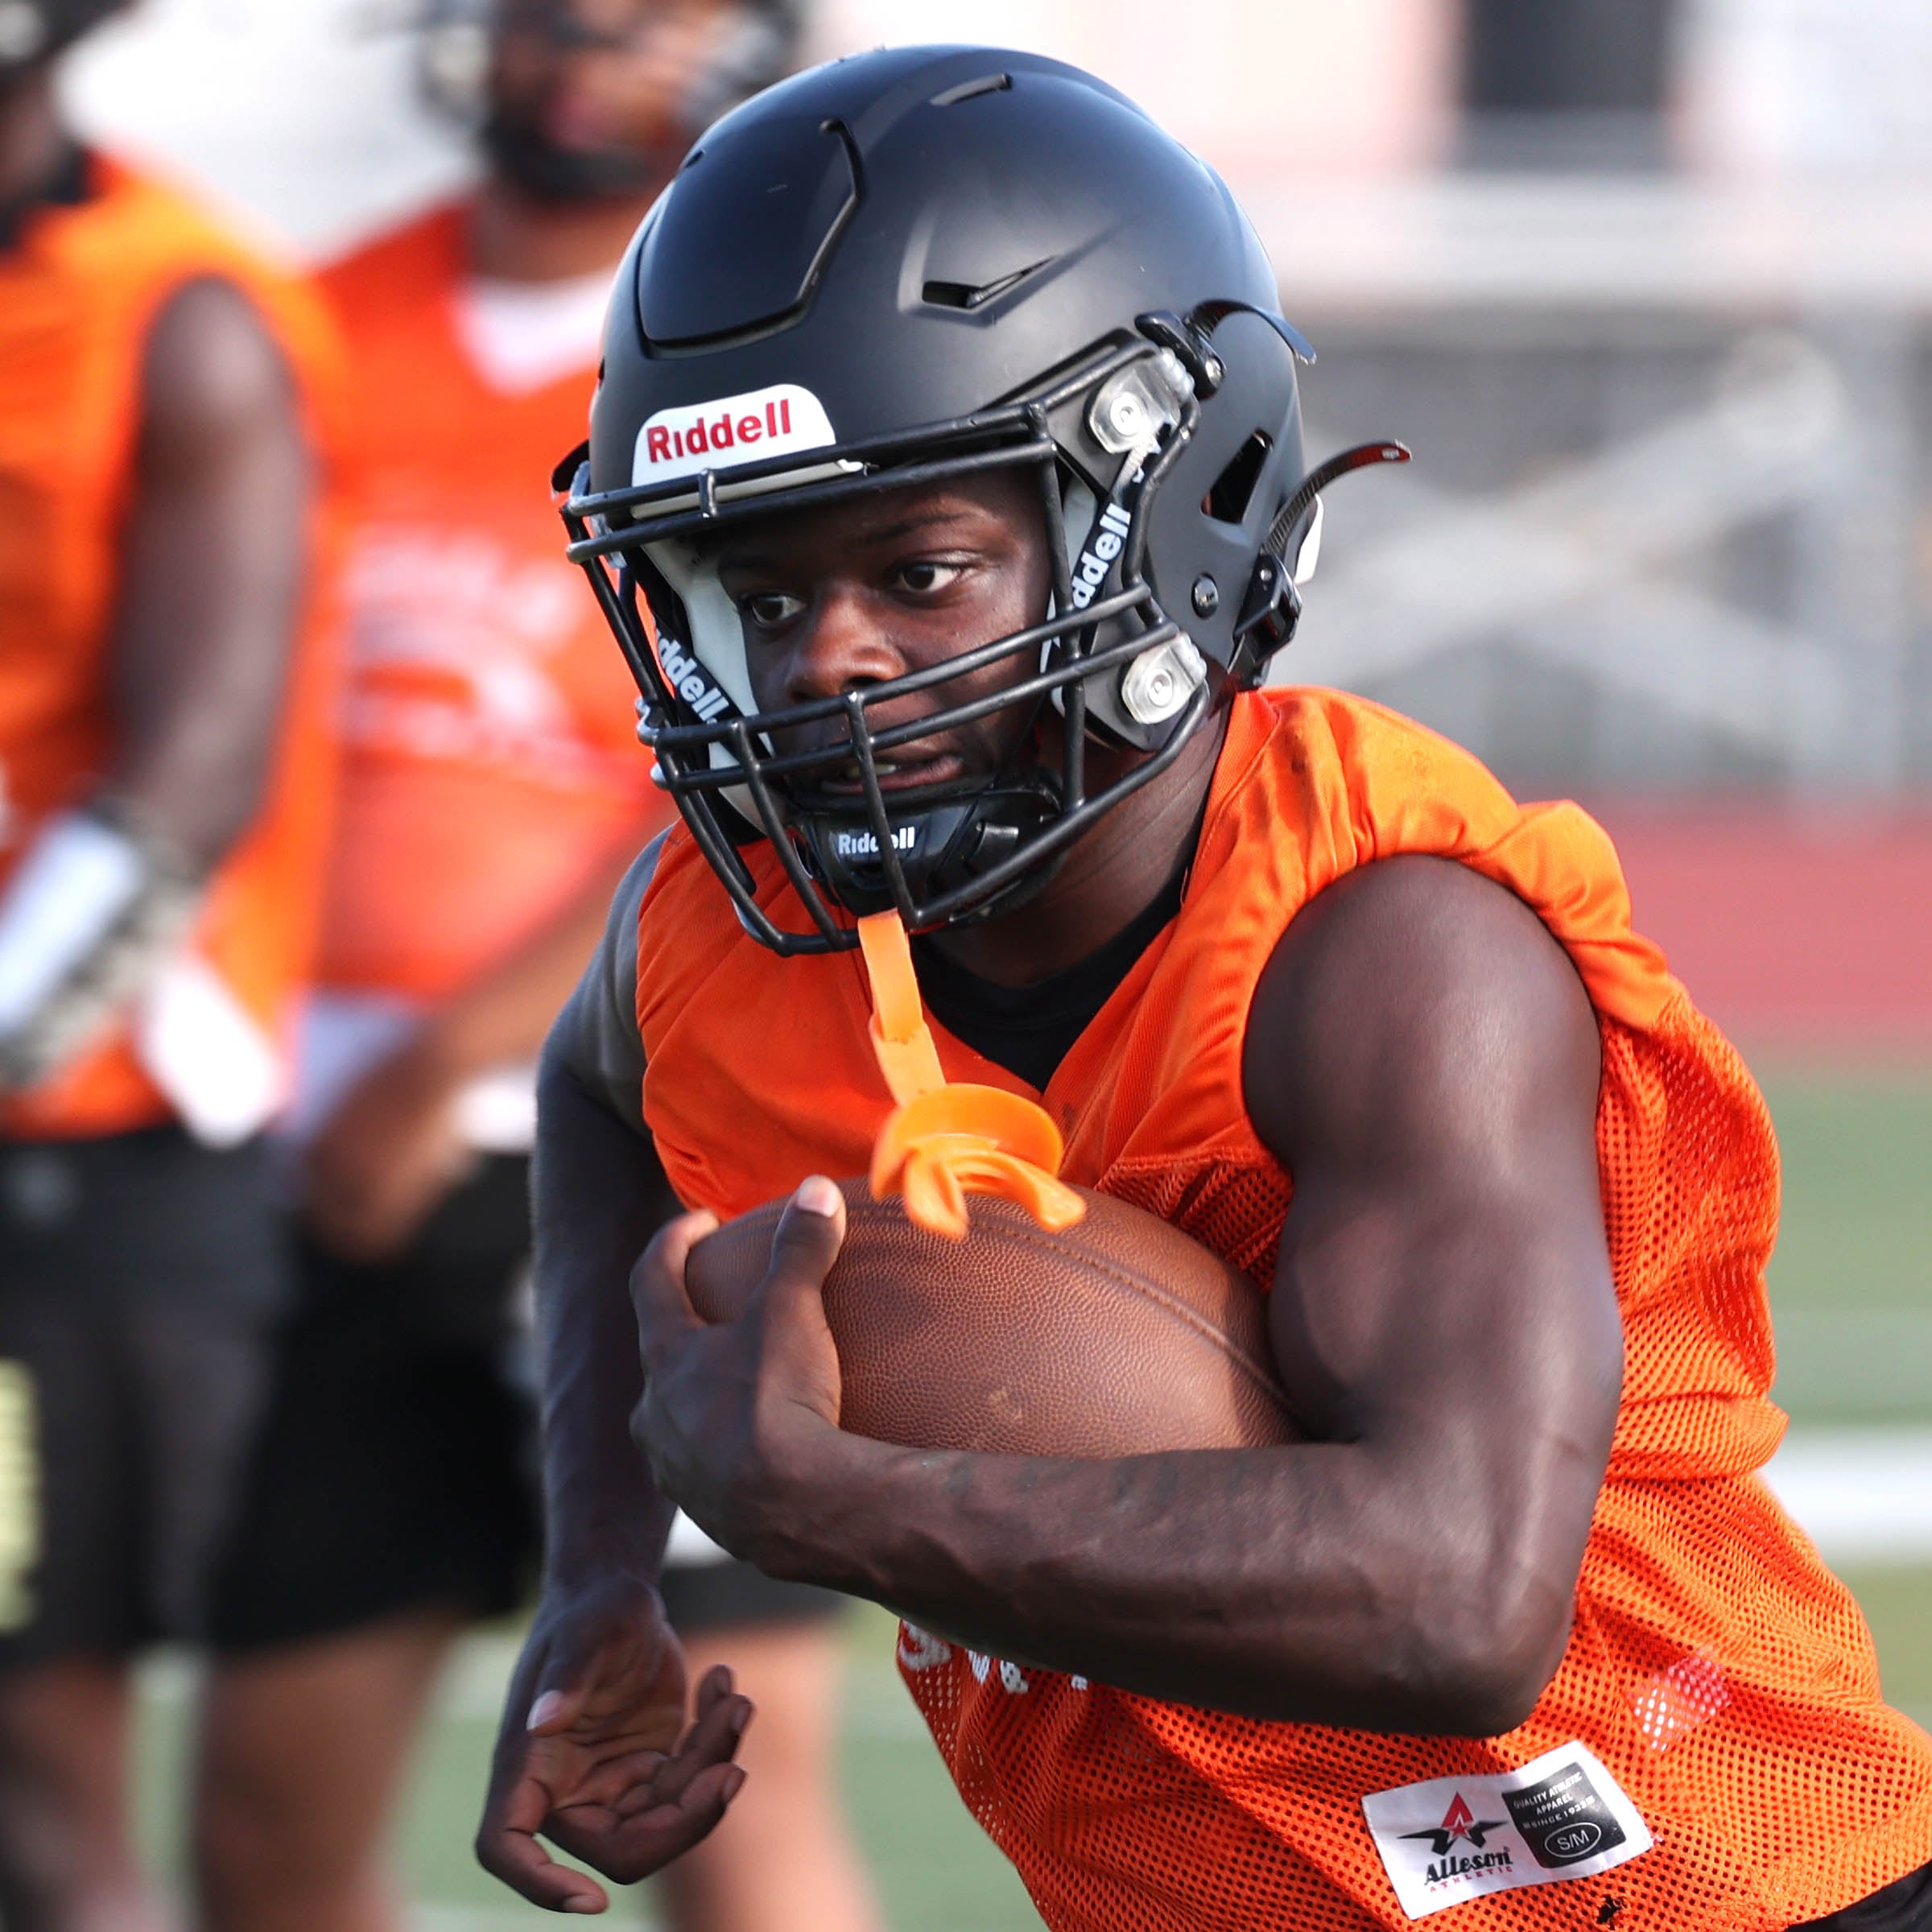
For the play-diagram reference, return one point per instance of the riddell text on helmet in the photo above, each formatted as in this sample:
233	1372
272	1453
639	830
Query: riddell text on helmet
696	436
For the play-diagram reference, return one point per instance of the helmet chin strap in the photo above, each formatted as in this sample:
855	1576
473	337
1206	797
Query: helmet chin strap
944	1140
935	847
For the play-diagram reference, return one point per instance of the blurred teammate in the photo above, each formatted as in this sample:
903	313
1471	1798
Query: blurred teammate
969	506
163	761
493	793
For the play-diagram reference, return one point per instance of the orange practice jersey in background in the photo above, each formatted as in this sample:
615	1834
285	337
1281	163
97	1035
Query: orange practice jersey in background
78	291
1716	1671
490	763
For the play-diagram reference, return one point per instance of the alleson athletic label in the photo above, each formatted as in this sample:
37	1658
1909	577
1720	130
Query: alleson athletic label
1454	1838
762	423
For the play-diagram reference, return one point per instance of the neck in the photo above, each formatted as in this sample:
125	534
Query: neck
31	134
1107	879
513	237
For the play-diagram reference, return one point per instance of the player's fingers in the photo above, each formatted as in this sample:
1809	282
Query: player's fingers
657	1284
638	1783
507	1848
674	1825
712	1740
717	1683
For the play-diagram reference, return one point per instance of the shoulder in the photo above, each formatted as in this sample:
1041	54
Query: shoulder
596	1038
200	289
1373	745
212	363
686	917
1407	1004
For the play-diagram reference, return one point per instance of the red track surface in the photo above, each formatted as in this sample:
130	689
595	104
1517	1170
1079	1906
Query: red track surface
1808	931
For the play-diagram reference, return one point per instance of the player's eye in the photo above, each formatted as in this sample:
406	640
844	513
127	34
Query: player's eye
767	610
928	574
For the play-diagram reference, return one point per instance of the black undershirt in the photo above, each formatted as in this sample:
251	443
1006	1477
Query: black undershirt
1028	1030
70	184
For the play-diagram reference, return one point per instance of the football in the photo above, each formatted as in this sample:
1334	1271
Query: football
1119	1337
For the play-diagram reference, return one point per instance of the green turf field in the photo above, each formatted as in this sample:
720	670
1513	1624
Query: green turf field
1852	1286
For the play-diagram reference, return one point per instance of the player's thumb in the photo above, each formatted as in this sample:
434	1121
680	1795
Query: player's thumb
556	1707
556	1692
807	1240
790	1305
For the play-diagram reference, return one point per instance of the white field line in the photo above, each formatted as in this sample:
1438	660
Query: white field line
444	1915
1863	1495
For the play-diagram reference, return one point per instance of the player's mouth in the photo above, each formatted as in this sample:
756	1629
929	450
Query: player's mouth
895	774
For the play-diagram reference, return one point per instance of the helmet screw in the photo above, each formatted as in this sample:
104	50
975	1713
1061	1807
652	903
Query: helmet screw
1127	416
1207	596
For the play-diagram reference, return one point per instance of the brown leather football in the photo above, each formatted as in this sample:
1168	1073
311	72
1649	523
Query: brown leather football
1119	1337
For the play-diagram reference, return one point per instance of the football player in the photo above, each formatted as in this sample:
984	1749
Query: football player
964	494
492	795
164	760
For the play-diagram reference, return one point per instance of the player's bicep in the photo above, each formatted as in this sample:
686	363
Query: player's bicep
213	559
594	1042
598	1191
1425	1062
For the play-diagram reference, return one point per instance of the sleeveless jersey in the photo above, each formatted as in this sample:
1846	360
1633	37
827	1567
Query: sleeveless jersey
489	761
79	292
1712	1752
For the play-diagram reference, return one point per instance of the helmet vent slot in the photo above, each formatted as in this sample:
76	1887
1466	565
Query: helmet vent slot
1233	490
970	295
971	90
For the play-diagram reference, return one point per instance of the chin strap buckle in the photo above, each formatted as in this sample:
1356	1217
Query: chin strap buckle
1269	612
945	1141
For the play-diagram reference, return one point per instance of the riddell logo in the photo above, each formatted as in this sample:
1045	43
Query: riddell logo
863	845
690	680
772	422
1459	1822
1097	560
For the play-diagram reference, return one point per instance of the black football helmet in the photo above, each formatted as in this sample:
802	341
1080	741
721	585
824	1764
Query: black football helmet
906	266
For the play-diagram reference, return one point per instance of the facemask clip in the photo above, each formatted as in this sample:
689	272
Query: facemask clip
1270	613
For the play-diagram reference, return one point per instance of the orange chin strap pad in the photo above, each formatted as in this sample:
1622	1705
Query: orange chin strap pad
943	1141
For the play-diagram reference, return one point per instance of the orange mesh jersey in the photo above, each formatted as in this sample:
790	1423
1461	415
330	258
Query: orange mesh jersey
1719	1698
488	761
78	293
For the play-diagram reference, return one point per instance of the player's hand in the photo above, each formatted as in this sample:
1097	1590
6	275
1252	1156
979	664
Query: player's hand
740	1419
388	1153
595	1752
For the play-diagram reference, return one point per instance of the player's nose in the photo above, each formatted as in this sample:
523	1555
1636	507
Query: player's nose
844	647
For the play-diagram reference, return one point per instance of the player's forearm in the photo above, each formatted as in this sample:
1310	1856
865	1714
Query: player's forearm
1302	1584
599	1195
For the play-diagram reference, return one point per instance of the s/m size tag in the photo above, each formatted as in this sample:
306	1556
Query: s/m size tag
1449	1839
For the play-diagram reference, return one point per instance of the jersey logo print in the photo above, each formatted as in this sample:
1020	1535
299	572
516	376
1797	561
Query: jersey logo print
1458	1821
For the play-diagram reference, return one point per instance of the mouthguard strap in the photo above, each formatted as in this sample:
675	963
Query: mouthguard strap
944	1140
